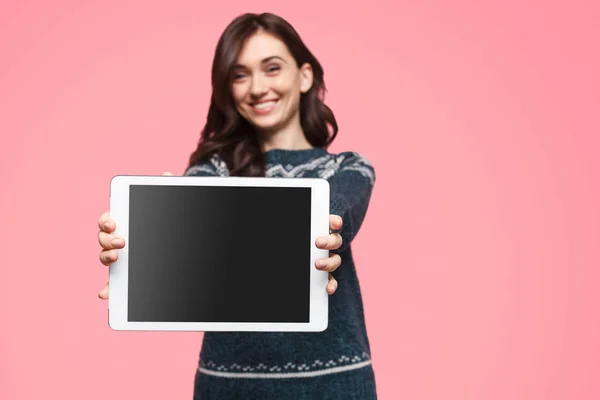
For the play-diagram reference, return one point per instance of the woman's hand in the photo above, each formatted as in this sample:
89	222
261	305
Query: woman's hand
109	243
331	242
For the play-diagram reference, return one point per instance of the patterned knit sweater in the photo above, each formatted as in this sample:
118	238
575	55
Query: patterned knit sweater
344	345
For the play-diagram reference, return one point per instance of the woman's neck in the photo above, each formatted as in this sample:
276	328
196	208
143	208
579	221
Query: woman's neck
289	138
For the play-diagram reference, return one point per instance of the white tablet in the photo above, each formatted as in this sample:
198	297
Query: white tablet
219	254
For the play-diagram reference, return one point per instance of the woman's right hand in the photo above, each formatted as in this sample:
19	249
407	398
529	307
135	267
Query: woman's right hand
110	243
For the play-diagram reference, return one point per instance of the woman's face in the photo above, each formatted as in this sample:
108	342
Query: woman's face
267	83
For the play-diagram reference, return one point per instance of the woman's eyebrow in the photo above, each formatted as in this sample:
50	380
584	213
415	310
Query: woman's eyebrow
266	60
263	61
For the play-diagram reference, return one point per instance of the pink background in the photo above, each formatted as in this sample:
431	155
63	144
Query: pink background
479	256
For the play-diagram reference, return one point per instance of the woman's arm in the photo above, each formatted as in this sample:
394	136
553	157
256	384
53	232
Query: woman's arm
350	192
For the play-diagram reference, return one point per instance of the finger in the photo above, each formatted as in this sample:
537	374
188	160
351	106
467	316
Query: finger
167	174
332	285
331	242
109	242
335	222
103	294
106	224
108	257
329	264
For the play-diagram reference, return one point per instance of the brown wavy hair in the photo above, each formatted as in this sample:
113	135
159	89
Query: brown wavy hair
227	133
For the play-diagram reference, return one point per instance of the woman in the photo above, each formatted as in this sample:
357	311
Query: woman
267	118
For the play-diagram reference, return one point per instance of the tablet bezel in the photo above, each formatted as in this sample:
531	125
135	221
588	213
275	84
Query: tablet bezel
118	271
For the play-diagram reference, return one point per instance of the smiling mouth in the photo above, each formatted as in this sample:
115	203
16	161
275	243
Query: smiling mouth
264	106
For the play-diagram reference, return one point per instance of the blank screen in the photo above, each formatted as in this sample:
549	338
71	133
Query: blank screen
219	254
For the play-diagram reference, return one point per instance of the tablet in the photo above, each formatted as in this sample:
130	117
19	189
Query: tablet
219	253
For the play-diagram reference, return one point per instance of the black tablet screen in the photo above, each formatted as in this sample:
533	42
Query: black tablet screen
219	254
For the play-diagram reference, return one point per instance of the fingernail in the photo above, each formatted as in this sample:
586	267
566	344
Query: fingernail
322	242
117	242
107	225
322	263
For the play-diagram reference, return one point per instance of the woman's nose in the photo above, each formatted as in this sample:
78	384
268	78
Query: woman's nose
259	86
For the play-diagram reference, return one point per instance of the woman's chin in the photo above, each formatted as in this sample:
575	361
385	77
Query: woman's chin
265	126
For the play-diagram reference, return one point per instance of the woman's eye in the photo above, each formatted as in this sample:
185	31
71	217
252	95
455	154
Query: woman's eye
273	68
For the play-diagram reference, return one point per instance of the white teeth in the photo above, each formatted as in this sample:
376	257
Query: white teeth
264	105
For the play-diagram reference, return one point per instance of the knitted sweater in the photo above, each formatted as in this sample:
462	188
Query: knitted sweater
281	364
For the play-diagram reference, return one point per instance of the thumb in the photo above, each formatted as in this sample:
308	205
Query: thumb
167	174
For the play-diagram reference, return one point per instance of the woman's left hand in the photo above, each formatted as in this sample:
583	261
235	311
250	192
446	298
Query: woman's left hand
331	242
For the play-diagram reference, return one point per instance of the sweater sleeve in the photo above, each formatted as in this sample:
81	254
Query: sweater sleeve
350	192
214	166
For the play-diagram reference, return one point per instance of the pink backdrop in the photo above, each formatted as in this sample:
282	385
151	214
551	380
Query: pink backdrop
479	256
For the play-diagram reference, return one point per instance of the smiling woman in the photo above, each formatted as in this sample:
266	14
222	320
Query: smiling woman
267	118
268	91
